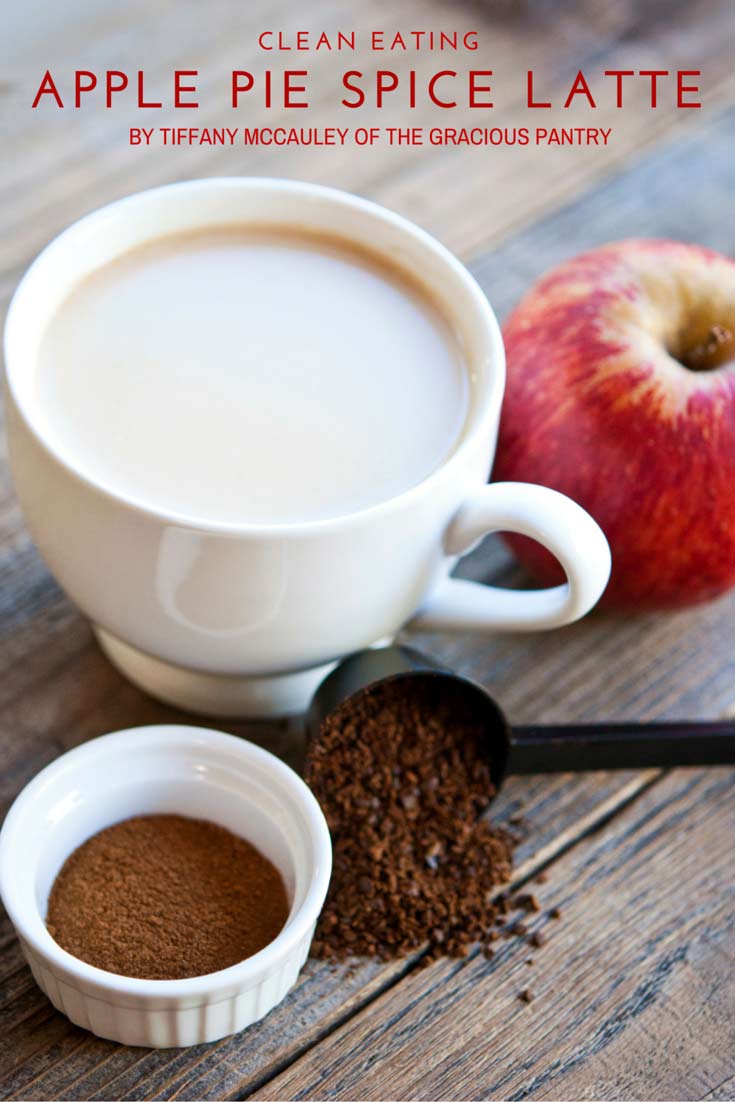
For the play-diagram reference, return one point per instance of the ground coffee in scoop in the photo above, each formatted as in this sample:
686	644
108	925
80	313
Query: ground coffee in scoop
400	773
163	897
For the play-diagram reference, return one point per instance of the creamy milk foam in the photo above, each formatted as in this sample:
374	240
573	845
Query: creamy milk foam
243	375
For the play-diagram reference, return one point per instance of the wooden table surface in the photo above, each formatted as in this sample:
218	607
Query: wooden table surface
635	988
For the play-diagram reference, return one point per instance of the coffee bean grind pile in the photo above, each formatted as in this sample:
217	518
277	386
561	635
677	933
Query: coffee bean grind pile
163	897
400	773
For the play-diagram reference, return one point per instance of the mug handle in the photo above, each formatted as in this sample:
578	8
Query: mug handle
562	526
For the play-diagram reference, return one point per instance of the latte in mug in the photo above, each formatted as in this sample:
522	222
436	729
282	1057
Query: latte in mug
252	375
249	450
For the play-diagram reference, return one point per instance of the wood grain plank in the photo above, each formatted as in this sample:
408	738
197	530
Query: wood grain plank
325	995
723	1092
499	192
556	810
632	994
85	161
60	690
679	192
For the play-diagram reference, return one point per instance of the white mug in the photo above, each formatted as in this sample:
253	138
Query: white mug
243	619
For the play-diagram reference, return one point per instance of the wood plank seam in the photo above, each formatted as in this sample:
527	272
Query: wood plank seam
415	960
714	1093
190	1075
658	966
530	870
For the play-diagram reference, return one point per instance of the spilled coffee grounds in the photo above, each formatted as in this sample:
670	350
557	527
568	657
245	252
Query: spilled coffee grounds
164	897
400	773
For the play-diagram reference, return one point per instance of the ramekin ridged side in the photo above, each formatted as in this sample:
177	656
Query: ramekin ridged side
189	770
169	1026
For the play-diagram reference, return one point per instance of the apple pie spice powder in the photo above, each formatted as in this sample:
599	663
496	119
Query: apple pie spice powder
163	897
400	773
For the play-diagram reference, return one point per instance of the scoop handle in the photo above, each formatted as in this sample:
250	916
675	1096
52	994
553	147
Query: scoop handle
572	748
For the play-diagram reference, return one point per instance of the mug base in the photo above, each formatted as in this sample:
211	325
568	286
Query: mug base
214	694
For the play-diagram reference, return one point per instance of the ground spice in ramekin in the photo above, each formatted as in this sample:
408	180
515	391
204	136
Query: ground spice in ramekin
164	897
401	774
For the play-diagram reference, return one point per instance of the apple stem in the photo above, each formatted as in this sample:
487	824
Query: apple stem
717	349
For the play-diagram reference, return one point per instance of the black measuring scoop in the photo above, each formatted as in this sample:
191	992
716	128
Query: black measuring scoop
537	749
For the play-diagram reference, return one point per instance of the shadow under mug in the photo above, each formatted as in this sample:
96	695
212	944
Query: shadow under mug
245	619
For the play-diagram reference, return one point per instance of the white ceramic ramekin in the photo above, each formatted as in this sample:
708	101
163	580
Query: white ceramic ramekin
167	769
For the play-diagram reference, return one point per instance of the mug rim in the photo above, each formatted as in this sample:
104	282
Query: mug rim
479	420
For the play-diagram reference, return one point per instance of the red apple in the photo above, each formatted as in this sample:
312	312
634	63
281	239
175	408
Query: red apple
621	394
